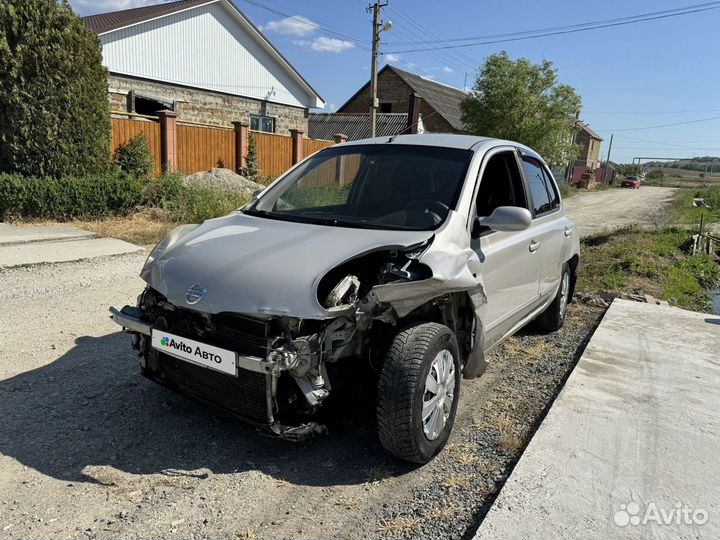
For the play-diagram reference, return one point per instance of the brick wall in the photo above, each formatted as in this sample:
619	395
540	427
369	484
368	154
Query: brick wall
205	106
393	89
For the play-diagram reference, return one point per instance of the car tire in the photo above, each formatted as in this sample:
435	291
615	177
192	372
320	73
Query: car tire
554	316
420	375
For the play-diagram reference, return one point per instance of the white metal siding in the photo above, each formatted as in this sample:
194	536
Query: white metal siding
207	48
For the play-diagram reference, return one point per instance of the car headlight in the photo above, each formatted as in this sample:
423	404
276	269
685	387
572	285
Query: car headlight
171	238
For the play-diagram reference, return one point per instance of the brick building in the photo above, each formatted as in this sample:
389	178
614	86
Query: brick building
439	103
204	60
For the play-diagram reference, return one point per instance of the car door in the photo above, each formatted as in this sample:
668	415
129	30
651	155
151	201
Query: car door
548	225
509	266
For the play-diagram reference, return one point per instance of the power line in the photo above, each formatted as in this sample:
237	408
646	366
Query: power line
358	42
653	112
580	27
664	125
462	57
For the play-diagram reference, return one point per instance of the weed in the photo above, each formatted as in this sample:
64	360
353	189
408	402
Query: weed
456	482
400	526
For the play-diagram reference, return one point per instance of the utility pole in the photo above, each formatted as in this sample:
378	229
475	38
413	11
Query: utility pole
377	28
607	160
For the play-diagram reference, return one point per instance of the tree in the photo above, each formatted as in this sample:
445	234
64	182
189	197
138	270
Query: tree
252	162
54	110
134	157
524	102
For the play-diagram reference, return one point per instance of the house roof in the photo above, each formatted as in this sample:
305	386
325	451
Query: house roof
107	22
441	97
104	23
586	129
355	126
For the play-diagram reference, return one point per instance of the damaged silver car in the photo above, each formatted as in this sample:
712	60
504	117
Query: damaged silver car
411	255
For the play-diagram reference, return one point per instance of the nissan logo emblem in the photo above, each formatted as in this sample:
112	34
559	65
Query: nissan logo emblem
195	293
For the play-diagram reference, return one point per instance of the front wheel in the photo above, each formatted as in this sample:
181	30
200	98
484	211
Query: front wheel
554	316
418	392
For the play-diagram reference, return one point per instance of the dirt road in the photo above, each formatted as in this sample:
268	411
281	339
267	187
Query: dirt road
598	211
90	449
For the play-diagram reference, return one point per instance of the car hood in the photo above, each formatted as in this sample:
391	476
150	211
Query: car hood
256	265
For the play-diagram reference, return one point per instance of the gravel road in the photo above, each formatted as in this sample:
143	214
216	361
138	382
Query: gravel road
598	211
90	449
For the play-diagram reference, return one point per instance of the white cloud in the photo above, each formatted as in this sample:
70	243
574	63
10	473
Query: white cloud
448	69
92	7
291	26
392	58
326	44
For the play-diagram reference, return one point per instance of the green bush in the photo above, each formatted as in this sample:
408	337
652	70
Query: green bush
69	197
190	204
196	204
54	110
134	157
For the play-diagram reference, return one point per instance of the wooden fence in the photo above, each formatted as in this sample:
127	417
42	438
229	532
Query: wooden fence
190	147
274	153
201	148
125	129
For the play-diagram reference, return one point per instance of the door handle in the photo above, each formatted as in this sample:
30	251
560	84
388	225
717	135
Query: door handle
534	246
568	231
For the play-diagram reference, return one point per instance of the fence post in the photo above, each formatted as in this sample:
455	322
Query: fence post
242	142
168	140
340	138
297	145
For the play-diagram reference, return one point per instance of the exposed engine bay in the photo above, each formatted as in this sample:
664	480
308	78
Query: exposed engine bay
287	360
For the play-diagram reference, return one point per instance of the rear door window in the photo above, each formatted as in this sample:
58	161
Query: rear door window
544	197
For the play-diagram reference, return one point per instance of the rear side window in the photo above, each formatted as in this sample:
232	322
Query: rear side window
542	190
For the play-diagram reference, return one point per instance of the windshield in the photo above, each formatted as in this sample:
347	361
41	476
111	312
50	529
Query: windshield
372	186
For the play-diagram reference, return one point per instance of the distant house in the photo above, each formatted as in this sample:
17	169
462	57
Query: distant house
589	143
203	59
588	160
439	104
356	126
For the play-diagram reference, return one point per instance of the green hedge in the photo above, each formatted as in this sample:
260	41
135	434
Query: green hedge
68	197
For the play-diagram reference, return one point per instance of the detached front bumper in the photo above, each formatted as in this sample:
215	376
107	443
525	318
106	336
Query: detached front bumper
129	318
247	396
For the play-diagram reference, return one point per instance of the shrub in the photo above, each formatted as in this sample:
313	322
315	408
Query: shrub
134	157
252	162
54	111
191	204
68	197
196	204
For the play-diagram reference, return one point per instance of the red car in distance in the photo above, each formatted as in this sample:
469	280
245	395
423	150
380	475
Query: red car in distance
631	182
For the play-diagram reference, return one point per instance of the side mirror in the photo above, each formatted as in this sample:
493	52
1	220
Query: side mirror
503	218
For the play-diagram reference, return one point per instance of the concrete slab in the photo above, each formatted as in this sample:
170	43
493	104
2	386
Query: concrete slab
631	446
54	252
11	234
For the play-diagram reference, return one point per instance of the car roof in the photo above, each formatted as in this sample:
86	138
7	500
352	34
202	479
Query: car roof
446	140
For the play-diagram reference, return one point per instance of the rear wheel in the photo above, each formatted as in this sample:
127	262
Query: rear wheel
418	392
554	316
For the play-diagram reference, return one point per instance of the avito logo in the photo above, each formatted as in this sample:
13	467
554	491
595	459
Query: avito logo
177	345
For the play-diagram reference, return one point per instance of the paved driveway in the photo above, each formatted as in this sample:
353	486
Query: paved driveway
598	211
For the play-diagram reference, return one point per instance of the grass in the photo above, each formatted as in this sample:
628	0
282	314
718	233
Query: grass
145	227
682	211
656	262
400	526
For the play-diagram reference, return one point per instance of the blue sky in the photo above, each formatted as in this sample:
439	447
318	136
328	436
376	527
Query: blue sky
634	76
